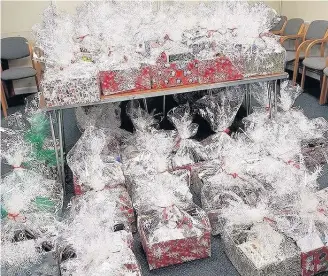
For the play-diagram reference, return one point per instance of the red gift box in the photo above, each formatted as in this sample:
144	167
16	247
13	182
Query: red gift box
315	261
124	202
175	251
217	70
165	74
127	80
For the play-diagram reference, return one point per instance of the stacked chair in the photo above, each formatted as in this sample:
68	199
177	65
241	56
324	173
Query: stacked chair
306	45
13	48
278	29
324	91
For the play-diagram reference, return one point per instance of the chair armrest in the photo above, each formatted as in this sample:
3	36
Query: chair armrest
36	65
290	37
313	43
277	32
297	58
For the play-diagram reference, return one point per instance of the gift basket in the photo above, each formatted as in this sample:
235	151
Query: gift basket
259	250
186	151
105	254
125	76
106	117
176	69
219	110
306	222
92	168
173	187
32	128
148	148
27	196
58	89
29	257
68	78
102	200
223	190
170	235
94	238
254	245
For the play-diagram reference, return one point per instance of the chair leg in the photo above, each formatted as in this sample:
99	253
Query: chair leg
303	77
4	104
37	82
324	91
295	74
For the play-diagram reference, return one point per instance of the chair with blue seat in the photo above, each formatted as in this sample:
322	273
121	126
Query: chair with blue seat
279	27
324	90
317	63
13	48
294	26
315	31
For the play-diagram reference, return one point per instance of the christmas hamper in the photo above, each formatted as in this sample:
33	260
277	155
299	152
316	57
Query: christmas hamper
172	236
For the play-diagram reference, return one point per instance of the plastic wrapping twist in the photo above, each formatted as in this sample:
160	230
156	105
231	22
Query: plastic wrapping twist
186	150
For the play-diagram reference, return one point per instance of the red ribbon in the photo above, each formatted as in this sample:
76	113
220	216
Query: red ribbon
294	164
15	216
166	38
234	175
227	131
269	220
83	36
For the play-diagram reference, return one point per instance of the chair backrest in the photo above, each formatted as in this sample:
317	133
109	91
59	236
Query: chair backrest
280	24
317	29
293	26
14	48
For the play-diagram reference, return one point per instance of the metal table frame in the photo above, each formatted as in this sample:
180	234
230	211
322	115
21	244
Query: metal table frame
56	112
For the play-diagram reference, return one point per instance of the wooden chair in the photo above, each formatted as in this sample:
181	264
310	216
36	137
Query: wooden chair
13	48
324	90
294	26
316	63
316	30
4	104
279	28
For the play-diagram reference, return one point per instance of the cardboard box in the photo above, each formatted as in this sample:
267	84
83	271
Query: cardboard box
218	69
61	92
175	251
125	80
177	73
288	263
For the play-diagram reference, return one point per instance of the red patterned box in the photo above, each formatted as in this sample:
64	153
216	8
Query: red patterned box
193	236
165	74
127	80
315	261
217	70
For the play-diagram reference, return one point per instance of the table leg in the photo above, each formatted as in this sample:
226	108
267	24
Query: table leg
145	104
61	145
270	98
248	99
275	97
55	147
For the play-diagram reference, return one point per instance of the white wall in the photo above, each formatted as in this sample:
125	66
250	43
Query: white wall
18	17
308	10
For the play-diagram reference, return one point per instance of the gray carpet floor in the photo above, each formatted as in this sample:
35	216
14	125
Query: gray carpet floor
218	264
